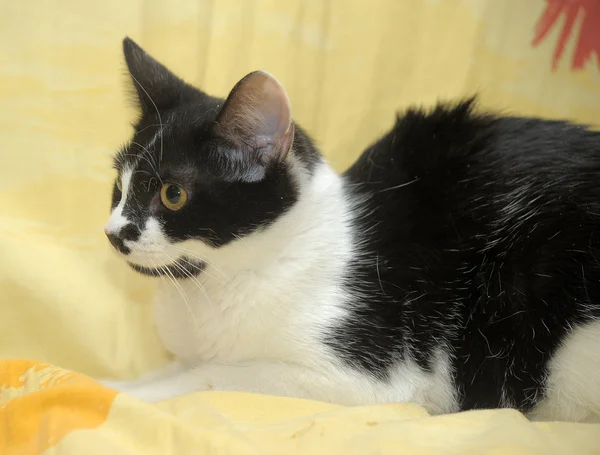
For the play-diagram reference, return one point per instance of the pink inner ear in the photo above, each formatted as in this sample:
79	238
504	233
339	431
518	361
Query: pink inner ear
257	112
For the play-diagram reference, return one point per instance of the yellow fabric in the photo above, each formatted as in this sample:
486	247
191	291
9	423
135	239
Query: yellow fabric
348	66
40	404
48	411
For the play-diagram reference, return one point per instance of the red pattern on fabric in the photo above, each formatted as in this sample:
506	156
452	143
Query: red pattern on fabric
588	42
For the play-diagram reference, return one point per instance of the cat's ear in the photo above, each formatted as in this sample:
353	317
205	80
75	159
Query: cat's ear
156	87
256	120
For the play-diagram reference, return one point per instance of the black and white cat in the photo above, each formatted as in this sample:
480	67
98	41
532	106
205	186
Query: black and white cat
456	264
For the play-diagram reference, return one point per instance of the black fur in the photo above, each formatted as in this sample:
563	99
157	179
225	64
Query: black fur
478	234
220	208
484	240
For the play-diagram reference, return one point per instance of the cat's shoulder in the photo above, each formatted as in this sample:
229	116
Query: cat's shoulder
453	133
466	122
424	138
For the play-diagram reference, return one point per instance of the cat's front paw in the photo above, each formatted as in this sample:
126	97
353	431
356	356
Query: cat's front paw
145	393
160	387
119	386
149	394
152	393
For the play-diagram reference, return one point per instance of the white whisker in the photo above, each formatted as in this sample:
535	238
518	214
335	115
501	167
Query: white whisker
201	269
142	157
146	127
399	186
189	275
194	255
179	289
146	150
157	113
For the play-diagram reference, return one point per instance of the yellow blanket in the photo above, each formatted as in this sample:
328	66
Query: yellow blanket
45	410
348	66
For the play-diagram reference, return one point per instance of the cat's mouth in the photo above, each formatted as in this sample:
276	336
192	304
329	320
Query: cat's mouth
181	268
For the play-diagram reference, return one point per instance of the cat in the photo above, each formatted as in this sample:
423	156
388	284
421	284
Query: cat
455	265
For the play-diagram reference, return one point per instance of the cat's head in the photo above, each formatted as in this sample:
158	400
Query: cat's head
200	168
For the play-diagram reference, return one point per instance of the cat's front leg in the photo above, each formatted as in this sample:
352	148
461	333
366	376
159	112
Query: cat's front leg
267	378
163	387
131	385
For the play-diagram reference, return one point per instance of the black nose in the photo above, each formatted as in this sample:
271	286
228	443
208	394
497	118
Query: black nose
117	242
129	232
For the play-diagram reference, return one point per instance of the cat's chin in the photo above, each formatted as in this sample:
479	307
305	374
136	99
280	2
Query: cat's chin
181	268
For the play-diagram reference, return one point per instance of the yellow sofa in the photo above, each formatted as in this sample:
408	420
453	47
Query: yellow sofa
349	65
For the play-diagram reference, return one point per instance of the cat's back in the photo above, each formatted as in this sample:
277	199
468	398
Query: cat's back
494	223
481	176
452	141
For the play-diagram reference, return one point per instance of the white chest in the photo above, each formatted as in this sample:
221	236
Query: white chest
244	318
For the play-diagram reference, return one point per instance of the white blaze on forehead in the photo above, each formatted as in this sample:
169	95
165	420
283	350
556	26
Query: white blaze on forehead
117	220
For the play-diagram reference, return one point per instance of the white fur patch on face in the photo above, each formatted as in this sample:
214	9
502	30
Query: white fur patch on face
116	221
152	248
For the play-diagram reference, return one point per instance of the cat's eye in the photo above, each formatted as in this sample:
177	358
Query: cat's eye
173	196
118	183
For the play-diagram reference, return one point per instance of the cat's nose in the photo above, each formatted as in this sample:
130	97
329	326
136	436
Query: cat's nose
117	243
128	232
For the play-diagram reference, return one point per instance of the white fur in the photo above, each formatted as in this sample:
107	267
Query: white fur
117	220
573	385
149	249
255	319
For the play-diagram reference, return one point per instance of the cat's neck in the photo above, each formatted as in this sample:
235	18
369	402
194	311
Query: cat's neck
315	233
284	278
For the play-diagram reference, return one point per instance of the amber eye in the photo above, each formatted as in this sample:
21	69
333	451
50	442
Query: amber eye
172	196
118	182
